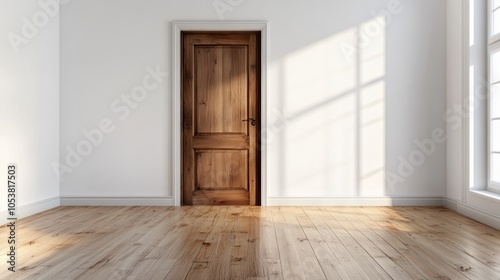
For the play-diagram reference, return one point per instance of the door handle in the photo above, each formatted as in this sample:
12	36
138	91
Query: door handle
252	121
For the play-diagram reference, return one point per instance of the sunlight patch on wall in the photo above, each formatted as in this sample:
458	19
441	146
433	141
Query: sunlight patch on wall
372	137
372	109
332	96
318	72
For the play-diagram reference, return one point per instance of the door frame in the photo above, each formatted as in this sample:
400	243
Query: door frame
177	28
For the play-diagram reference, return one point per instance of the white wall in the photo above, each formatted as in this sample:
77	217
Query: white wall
29	106
341	120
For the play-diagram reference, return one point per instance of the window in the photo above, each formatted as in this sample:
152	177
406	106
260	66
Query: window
494	96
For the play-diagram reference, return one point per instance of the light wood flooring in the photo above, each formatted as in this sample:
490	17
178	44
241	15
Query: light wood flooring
241	242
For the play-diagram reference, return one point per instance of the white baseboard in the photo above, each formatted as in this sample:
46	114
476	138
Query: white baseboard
354	201
24	211
117	201
450	204
474	213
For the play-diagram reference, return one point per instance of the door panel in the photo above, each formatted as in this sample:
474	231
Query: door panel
219	96
221	93
222	169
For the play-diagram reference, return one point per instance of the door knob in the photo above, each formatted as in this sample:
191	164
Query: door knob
252	121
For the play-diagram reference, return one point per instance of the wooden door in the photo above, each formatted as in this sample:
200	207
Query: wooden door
220	103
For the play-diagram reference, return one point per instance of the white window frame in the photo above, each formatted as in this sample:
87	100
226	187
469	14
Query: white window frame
491	38
475	201
493	47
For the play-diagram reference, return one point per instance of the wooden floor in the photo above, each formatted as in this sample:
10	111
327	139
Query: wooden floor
210	242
